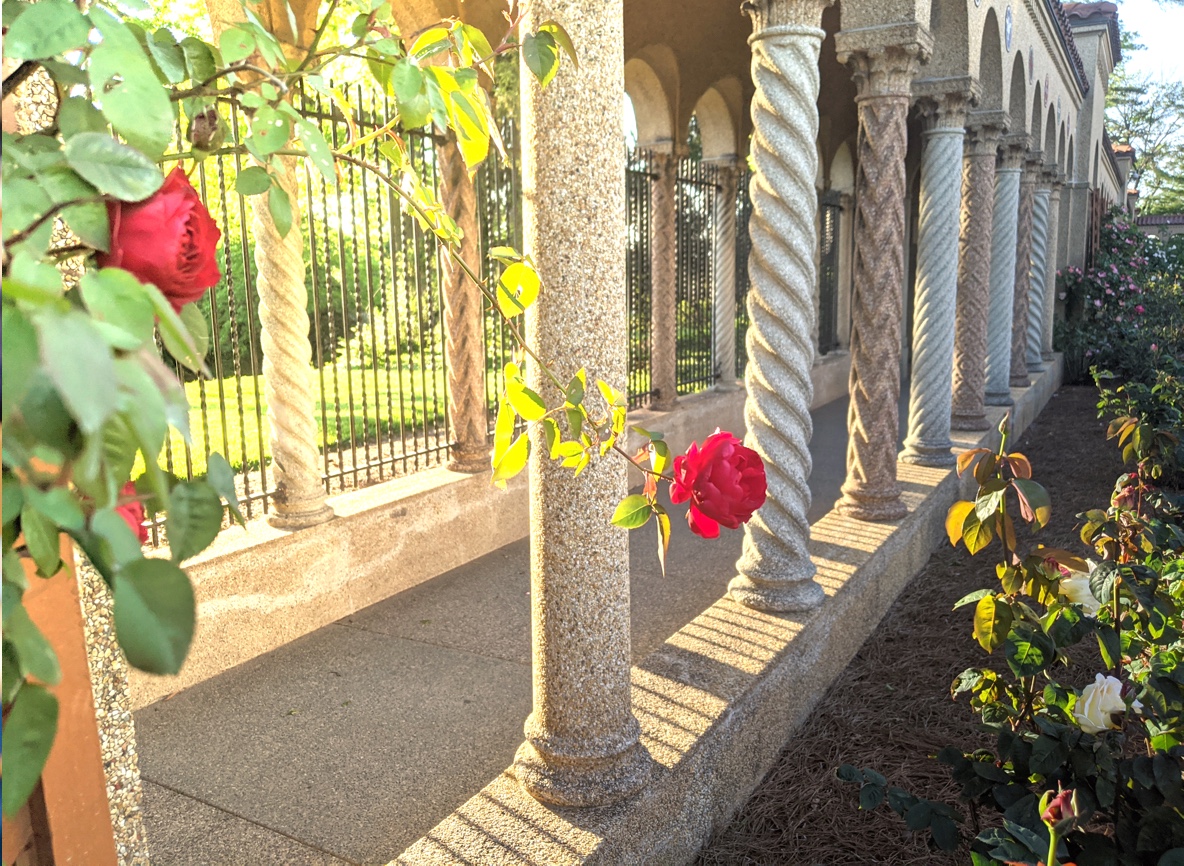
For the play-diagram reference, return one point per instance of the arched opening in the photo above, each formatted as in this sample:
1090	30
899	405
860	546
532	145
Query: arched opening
950	25
990	73
1050	140
1038	138
717	131
842	169
650	105
1017	102
1061	149
1070	166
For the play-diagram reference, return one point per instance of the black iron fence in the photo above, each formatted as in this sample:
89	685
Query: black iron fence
376	314
743	248
828	272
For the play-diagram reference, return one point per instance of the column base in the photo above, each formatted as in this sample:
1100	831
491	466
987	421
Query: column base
871	508
658	404
726	386
1036	366
300	519
1047	356
780	596
969	421
468	461
1019	381
923	454
995	398
581	780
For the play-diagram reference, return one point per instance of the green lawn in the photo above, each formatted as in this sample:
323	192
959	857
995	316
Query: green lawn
414	397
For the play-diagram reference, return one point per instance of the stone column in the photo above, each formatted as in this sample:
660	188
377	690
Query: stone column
725	274
1023	273
663	286
582	743
1003	256
464	348
1054	259
883	80
930	395
1039	280
974	266
775	570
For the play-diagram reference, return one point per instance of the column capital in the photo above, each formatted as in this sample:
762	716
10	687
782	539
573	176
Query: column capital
943	112
885	59
1012	150
984	131
951	98
1053	176
1033	167
770	16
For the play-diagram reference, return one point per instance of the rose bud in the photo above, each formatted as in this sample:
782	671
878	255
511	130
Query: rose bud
724	481
206	131
1060	808
167	240
132	511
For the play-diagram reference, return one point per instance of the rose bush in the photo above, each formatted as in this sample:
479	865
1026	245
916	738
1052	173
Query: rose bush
168	240
723	480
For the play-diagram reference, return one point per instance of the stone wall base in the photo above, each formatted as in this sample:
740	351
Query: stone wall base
724	695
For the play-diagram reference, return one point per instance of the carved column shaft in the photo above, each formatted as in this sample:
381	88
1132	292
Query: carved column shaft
1023	276
775	570
725	276
582	741
883	78
1050	294
1039	280
974	281
928	441
663	276
1003	256
463	344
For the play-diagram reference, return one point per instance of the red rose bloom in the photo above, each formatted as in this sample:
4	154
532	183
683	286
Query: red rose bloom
724	481
167	240
133	512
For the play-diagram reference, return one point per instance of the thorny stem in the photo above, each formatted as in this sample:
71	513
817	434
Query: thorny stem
637	465
316	36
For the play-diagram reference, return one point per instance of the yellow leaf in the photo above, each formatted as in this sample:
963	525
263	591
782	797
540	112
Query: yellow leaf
517	289
955	517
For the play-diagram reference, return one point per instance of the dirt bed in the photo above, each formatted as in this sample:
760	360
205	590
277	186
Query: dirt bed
890	708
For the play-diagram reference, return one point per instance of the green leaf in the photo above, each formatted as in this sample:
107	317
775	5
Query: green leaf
79	363
195	323
114	168
317	149
976	534
526	402
252	180
561	39
127	89
407	82
122	540
541	56
221	478
154	615
270	130
194	519
45	29
992	621
1029	650
58	504
78	114
36	655
20	357
87	220
576	388
517	289
512	461
1035	505
24	203
173	333
119	301
28	736
551	437
199	60
168	55
280	208
431	42
236	43
41	537
632	511
972	597
13	499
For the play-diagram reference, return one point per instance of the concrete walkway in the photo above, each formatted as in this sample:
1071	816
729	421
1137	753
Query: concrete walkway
347	745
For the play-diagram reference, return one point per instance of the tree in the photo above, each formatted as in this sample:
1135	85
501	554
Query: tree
1148	114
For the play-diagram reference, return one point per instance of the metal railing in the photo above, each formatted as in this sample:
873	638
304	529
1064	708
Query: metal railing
743	248
698	185
830	212
639	176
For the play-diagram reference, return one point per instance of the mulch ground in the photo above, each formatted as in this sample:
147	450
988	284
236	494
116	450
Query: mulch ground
891	708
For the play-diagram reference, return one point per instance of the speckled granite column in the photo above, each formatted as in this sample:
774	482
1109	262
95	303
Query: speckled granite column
974	267
883	80
1039	280
928	440
464	346
775	570
1050	294
725	275
663	289
1023	273
582	742
1003	244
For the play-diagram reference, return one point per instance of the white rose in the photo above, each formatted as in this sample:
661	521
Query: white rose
1100	701
1075	587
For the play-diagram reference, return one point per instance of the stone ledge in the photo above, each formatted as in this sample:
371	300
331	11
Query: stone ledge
723	696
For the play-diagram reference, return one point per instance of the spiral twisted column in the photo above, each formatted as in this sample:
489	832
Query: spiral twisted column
664	293
725	275
775	570
464	348
1023	273
299	496
1004	237
1039	280
930	396
883	79
974	266
1050	290
582	742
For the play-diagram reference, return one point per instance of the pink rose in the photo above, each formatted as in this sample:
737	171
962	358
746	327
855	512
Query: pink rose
724	481
167	240
1140	309
132	510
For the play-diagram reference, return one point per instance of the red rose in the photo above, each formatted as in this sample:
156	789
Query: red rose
167	240
133	511
724	481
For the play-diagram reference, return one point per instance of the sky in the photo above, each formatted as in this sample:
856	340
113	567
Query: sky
1160	27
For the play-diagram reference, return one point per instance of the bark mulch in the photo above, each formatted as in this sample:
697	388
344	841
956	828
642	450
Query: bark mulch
891	708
